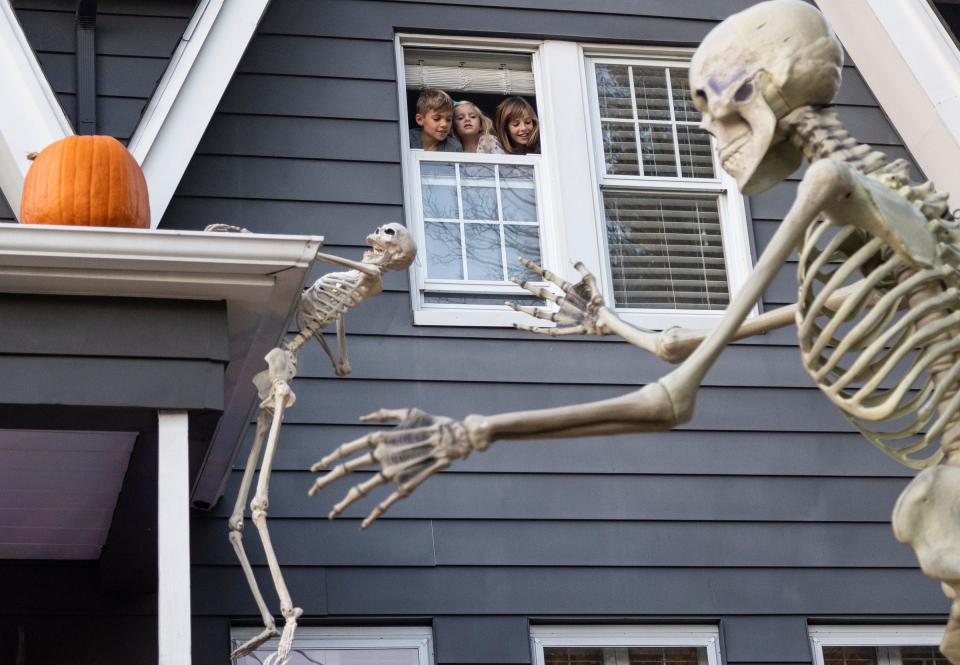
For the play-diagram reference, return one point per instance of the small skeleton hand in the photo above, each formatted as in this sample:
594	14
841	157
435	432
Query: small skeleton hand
579	306
420	446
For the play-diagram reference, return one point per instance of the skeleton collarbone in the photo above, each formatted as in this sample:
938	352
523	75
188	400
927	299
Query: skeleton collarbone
887	357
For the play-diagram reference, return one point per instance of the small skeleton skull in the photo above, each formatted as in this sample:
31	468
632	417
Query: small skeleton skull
751	71
391	247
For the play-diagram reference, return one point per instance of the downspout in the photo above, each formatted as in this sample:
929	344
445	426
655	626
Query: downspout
86	67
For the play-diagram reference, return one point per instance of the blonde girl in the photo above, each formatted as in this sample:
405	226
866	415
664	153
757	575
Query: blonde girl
474	129
517	126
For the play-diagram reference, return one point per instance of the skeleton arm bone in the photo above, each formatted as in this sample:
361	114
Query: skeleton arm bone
348	264
341	365
423	444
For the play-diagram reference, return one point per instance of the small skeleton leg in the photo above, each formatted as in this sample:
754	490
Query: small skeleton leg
282	396
236	539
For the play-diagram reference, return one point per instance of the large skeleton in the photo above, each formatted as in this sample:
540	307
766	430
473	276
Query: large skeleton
325	303
884	349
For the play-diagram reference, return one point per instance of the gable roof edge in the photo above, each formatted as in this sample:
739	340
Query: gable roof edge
188	94
912	66
30	116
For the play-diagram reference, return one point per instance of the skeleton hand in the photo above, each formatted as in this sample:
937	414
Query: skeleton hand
420	446
579	306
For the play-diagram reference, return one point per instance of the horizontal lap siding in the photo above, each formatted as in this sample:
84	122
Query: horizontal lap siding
764	510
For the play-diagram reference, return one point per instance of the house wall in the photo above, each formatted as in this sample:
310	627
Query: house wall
762	514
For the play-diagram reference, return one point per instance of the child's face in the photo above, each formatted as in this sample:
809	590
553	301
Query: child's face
436	123
467	120
521	129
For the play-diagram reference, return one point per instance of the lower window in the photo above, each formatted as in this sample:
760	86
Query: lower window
346	646
877	645
625	645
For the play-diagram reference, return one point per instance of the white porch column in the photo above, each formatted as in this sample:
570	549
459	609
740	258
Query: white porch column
173	539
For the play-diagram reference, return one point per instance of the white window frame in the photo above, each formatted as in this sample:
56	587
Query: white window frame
872	636
626	636
732	210
466	315
569	170
354	637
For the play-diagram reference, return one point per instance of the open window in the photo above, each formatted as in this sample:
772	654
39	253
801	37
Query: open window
473	214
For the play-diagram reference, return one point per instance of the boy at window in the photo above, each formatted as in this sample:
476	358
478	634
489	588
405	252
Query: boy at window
435	117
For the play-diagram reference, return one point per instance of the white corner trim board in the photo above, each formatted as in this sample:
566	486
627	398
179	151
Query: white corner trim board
913	68
30	115
189	92
173	121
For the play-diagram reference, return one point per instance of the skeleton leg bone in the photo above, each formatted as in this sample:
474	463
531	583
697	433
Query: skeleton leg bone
236	539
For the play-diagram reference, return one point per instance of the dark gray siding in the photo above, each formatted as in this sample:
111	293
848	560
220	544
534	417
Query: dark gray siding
763	513
134	41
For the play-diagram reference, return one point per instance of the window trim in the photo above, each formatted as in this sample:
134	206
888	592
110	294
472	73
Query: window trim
625	636
355	637
870	636
469	315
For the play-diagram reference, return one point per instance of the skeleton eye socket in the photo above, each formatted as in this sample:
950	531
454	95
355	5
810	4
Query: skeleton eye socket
389	232
701	95
744	92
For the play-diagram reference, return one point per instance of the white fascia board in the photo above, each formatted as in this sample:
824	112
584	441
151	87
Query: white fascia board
30	116
189	92
912	67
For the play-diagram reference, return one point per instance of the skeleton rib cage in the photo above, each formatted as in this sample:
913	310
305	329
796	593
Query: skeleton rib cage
887	357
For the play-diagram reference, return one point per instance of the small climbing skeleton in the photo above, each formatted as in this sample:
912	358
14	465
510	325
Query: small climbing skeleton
326	302
885	349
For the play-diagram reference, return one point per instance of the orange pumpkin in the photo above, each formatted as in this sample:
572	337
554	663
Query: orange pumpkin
85	181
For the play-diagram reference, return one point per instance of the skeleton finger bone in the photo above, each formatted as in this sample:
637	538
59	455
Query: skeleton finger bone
391	415
357	492
340	471
552	332
546	274
538	291
366	441
557	316
403	491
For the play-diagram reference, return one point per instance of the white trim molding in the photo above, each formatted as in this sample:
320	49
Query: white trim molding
30	116
912	67
173	538
189	92
350	638
707	637
873	636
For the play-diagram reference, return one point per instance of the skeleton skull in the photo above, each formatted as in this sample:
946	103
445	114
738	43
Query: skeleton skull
391	247
751	71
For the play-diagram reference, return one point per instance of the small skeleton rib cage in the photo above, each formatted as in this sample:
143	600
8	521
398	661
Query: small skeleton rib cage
878	314
323	304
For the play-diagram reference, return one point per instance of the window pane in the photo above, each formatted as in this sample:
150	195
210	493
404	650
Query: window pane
479	191
928	655
696	152
656	144
624	655
683	108
650	90
666	252
484	258
849	655
481	214
444	251
438	187
620	148
519	199
613	91
522	241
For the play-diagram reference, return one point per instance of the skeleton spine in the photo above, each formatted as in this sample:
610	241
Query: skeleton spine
820	135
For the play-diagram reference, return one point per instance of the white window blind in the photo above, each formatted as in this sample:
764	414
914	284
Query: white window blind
468	71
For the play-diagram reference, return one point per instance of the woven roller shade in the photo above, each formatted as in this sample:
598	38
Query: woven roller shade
468	71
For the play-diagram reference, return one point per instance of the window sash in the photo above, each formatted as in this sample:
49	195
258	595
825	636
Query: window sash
707	637
887	639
